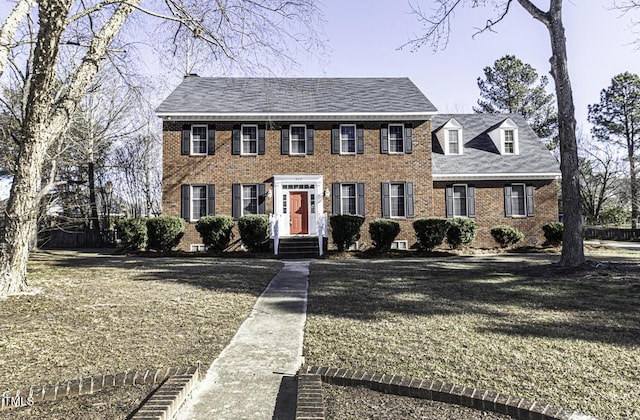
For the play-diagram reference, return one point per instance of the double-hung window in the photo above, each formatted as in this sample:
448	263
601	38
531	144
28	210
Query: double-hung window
348	199
249	139
509	142
298	138
396	197
199	139
518	200
396	138
348	139
460	201
454	142
249	199
197	201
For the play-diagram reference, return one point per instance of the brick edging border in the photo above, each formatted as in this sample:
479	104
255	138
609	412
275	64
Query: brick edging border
478	399
88	385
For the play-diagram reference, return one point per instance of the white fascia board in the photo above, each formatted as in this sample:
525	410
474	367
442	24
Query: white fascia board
496	176
292	116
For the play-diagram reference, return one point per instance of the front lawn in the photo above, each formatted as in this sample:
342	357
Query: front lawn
102	314
510	323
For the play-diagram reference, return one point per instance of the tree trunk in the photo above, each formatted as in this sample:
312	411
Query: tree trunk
572	240
634	191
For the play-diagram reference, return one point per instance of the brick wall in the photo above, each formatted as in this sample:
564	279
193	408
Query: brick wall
371	168
490	210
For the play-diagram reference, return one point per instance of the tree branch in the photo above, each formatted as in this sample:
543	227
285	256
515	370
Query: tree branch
535	11
9	28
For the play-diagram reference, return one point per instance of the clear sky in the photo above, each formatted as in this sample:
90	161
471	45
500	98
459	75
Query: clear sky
363	37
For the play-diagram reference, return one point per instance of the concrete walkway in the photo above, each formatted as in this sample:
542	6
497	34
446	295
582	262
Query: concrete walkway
244	381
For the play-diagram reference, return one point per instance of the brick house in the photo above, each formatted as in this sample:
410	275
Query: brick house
301	148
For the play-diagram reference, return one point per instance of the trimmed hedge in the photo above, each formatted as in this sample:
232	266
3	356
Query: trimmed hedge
254	231
383	232
164	233
553	233
345	230
430	232
215	231
132	233
506	235
462	231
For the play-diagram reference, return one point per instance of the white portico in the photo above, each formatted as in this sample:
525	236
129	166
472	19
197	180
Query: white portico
298	204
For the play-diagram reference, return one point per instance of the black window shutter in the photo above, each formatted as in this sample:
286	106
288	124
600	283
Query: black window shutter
310	139
507	201
335	195
449	201
384	138
236	203
261	140
335	139
530	200
186	139
235	140
360	205
284	140
471	201
211	200
211	139
185	202
408	138
408	200
386	205
262	209
360	139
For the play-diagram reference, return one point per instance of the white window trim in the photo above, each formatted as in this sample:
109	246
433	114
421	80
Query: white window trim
197	248
396	245
516	149
446	143
242	152
355	139
206	139
466	199
355	185
524	201
206	199
242	198
291	140
389	139
404	198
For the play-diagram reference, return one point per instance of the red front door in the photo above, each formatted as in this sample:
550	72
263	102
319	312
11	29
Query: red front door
299	213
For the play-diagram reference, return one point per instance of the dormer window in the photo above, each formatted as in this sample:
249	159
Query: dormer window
453	141
450	137
509	142
505	137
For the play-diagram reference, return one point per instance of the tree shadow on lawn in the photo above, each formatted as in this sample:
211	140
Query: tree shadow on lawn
208	273
595	303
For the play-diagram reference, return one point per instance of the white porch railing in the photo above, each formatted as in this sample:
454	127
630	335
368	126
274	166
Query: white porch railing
322	230
274	230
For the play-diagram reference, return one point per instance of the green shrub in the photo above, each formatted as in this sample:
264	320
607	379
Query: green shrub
345	230
553	233
462	231
506	235
215	231
383	232
254	231
430	232
164	233
132	233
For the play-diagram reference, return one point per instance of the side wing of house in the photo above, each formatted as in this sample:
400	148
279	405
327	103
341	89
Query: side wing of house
493	168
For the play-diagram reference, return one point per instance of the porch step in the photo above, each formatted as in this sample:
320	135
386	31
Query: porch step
294	248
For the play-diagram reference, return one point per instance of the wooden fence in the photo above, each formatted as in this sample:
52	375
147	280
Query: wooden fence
77	239
611	234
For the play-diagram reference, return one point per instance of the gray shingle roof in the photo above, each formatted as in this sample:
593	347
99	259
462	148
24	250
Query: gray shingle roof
480	156
223	95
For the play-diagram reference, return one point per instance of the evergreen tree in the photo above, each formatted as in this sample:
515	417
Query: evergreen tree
514	87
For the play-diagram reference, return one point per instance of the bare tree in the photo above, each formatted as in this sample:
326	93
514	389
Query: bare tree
437	26
233	29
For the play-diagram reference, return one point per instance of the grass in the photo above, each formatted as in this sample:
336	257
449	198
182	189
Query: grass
511	323
101	314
